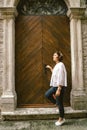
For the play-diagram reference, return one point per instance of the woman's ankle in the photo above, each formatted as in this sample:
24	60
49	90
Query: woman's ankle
60	119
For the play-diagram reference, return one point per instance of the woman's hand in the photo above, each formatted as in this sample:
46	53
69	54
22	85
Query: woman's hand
58	92
49	67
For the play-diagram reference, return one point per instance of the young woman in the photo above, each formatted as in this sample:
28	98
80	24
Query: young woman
58	83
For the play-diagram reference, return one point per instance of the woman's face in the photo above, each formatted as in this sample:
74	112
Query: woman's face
55	57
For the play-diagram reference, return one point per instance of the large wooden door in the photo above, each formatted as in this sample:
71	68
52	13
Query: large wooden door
37	38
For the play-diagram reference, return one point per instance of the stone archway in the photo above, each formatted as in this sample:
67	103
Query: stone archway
78	95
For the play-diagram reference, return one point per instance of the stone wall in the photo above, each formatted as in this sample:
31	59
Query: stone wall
1	55
84	39
82	2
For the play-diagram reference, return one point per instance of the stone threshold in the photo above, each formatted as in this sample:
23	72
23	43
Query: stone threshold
42	114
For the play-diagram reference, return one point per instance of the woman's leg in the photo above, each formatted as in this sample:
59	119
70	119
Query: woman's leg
59	101
49	94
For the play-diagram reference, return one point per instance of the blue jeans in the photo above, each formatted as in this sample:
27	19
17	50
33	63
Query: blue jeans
58	100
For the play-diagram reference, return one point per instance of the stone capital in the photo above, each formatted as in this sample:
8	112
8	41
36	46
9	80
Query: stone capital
7	12
76	13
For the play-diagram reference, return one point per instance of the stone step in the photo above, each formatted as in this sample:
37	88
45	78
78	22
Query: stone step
42	114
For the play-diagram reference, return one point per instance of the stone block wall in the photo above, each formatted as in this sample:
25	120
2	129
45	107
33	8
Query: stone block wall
1	55
84	39
82	2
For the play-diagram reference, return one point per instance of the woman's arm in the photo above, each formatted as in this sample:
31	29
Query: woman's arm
49	67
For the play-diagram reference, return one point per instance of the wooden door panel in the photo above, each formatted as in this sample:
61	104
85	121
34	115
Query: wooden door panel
56	36
28	60
37	38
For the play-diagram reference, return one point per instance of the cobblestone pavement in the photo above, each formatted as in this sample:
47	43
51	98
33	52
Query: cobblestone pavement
70	124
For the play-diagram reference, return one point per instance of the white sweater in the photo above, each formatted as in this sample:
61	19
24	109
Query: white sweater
59	75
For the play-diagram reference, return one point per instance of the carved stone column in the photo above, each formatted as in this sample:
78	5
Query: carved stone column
78	95
8	98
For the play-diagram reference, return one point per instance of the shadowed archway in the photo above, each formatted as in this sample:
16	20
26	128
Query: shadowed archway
40	36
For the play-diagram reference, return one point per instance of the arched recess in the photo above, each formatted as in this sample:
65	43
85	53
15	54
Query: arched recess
36	38
68	3
76	12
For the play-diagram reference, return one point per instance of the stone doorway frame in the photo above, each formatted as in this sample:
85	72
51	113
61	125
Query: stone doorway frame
7	15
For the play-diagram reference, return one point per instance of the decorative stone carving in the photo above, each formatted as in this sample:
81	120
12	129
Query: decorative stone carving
76	13
7	12
40	7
